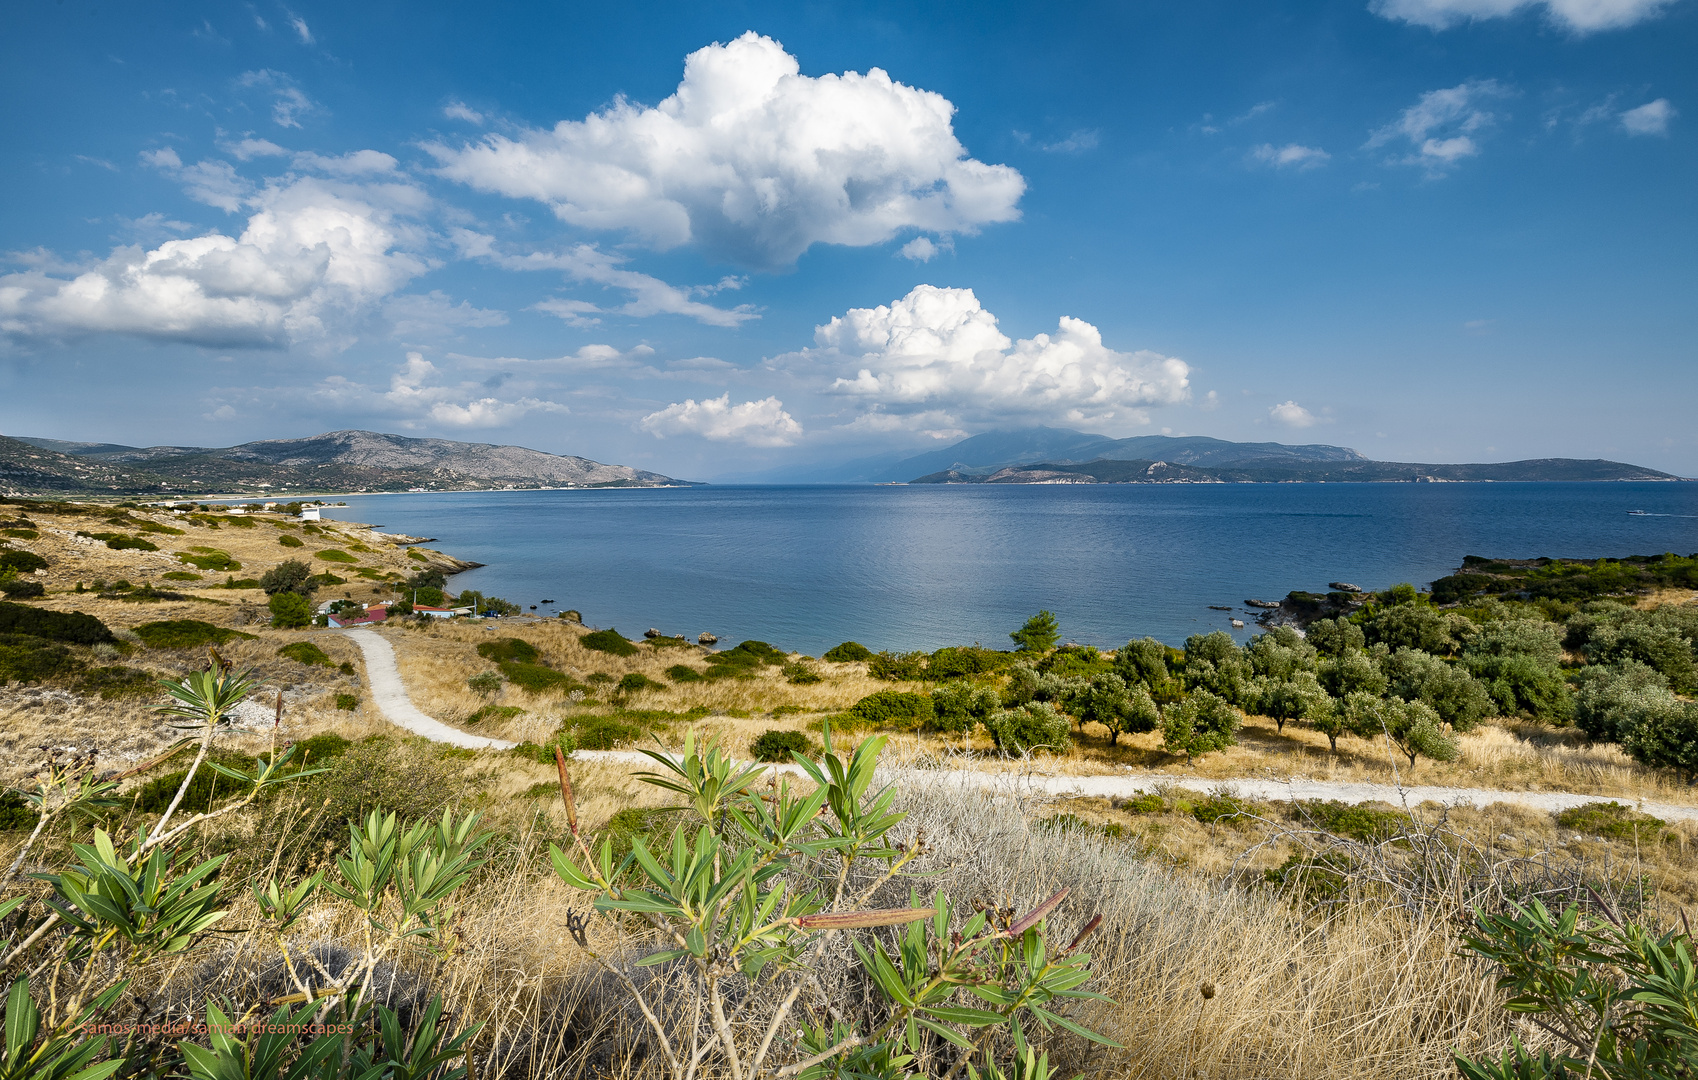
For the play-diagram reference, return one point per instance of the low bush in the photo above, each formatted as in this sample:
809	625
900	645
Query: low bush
185	634
29	659
847	653
604	732
305	652
347	702
205	558
958	662
73	627
502	650
494	712
893	708
797	673
536	679
1144	803
1359	821
682	673
180	575
1612	821
24	562
1033	726
117	681
776	744
608	641
289	541
485	683
637	682
15	813
22	589
1217	808
960	707
892	667
334	555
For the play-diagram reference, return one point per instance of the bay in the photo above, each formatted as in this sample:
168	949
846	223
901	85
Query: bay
918	567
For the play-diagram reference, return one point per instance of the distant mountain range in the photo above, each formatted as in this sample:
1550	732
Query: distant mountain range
337	461
1057	456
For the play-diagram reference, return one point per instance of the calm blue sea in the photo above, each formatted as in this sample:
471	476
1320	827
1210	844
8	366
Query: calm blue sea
924	566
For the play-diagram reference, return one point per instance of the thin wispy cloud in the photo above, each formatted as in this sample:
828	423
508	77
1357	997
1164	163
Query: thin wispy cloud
1290	156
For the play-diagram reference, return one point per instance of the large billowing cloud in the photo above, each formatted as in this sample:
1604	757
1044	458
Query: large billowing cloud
754	161
1580	16
937	358
315	252
753	423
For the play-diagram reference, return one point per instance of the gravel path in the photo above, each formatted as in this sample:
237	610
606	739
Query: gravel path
390	695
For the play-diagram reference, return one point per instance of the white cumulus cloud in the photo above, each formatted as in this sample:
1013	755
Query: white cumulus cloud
1651	118
214	183
315	252
938	350
1440	128
754	423
1292	414
1578	16
1290	156
459	110
754	161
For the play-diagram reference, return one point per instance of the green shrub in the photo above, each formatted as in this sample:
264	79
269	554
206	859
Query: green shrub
743	660
24	562
335	556
502	650
22	589
799	674
205	558
1142	803
185	634
15	813
29	659
112	683
73	627
847	653
604	732
305	652
536	679
494	712
893	708
1074	661
1201	723
180	575
892	667
957	662
1035	725
544	754
21	534
608	641
290	610
1359	821
316	750
347	702
1216	808
776	744
485	683
682	673
1612	821
289	541
1317	879
637	682
959	707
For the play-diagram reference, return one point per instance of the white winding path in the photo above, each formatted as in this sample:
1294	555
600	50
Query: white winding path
390	696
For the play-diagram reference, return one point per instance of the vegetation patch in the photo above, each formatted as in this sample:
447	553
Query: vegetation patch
23	562
1359	821
797	673
502	650
305	652
289	541
1217	808
603	732
15	813
776	744
683	673
608	641
347	702
117	681
121	541
494	712
335	556
745	659
895	667
537	679
636	682
180	575
186	634
22	589
1612	821
893	708
205	558
1573	580
73	627
847	653
28	659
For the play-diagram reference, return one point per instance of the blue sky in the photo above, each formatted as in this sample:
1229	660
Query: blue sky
718	242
